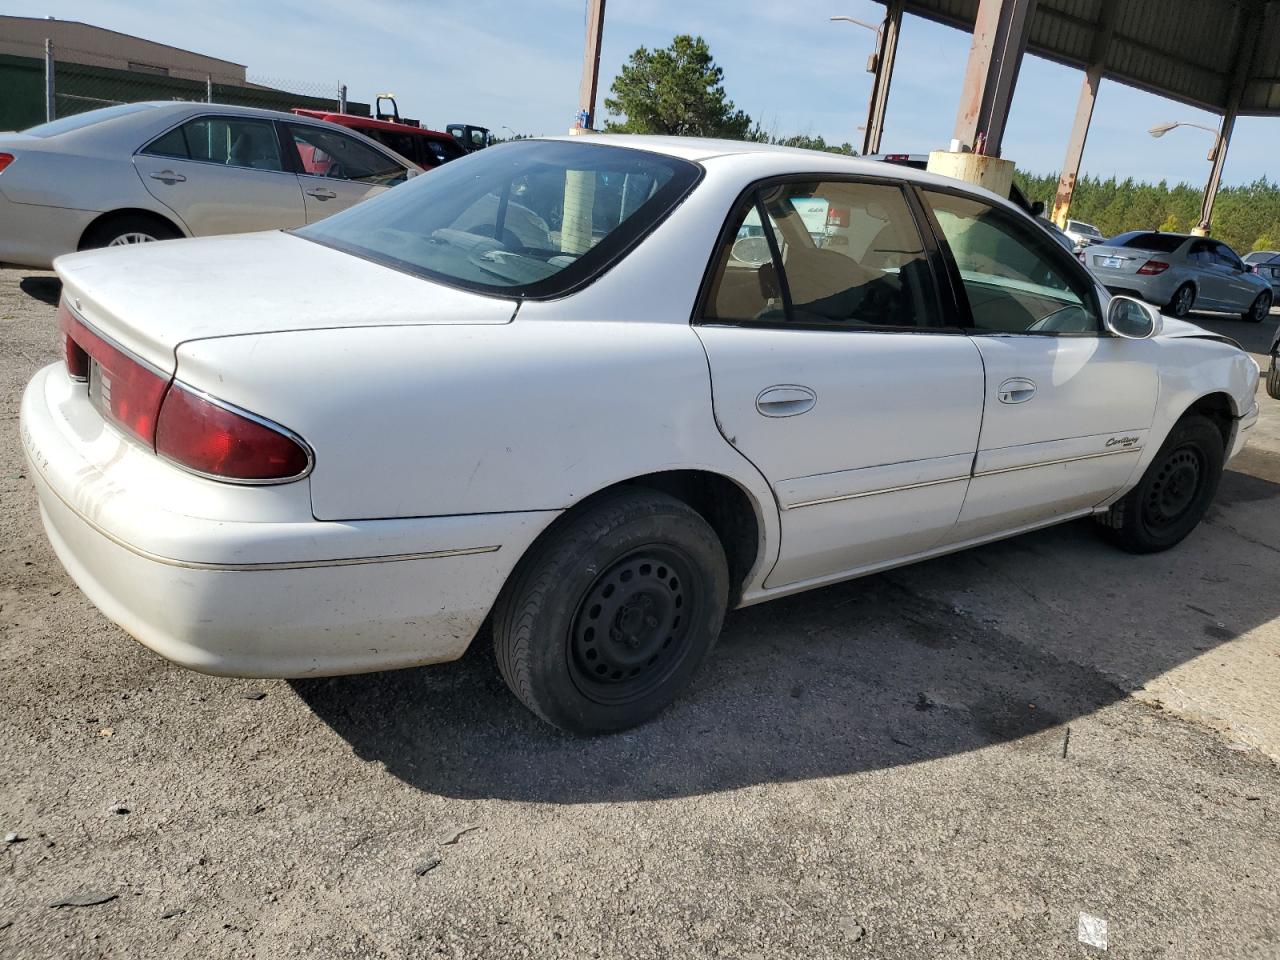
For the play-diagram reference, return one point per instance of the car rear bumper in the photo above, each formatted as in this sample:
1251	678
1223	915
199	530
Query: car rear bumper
1156	289
264	598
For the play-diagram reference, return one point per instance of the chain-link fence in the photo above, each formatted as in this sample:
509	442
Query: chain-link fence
56	81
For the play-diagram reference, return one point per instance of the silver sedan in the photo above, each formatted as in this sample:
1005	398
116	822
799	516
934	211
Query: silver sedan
155	171
1180	273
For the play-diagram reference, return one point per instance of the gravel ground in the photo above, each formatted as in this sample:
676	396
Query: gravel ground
957	759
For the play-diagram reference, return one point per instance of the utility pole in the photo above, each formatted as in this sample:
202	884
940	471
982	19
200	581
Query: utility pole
208	88
50	107
586	118
886	53
342	98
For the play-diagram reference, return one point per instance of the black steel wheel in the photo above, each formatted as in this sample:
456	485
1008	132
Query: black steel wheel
632	628
1183	299
1174	492
613	610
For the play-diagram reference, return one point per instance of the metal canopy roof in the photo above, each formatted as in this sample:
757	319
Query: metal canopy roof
1187	50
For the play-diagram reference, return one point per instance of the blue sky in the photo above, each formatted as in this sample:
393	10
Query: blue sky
513	64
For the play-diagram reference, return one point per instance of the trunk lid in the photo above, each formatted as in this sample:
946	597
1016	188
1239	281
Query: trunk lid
152	297
1126	260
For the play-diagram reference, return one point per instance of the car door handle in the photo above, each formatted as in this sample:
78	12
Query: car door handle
785	400
169	177
320	193
1016	390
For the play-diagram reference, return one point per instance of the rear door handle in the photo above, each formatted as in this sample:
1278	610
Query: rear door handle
1016	390
320	193
169	177
785	400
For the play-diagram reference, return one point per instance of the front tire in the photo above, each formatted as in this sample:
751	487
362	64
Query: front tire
1183	299
612	613
1273	379
1260	309
1174	493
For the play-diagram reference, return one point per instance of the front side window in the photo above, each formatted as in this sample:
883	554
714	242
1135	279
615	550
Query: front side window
1227	257
847	255
1013	275
534	218
328	153
230	141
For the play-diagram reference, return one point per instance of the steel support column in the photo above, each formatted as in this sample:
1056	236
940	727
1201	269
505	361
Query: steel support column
1246	46
586	118
885	55
999	41
1084	116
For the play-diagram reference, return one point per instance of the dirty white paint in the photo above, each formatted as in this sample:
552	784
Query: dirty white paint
1092	931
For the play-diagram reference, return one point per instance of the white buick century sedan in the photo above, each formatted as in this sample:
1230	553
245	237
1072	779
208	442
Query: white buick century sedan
595	391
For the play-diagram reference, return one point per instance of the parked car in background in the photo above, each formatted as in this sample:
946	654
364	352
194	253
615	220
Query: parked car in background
139	172
1180	272
1266	264
426	148
345	447
468	136
1082	234
1262	256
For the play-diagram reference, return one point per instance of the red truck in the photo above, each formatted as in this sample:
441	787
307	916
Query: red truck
426	148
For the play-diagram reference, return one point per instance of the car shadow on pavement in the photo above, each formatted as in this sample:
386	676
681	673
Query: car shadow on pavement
1007	642
45	289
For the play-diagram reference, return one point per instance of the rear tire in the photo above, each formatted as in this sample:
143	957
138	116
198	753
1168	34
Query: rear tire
126	229
1183	300
1174	493
1273	379
1260	308
612	613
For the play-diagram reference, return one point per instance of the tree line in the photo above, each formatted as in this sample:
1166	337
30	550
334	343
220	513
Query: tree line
1245	217
679	91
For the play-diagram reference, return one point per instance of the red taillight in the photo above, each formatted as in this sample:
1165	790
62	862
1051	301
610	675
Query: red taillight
5	160
207	437
124	389
1152	267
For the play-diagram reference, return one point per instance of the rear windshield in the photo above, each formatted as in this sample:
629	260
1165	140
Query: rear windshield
1079	227
527	219
78	121
1157	242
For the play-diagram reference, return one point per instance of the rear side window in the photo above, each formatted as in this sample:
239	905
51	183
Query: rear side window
328	153
833	253
229	141
1156	242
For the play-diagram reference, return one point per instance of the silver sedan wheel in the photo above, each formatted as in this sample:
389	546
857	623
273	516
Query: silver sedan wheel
127	238
1182	302
1261	308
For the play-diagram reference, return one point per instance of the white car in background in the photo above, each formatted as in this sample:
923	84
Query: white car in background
1082	234
138	172
345	447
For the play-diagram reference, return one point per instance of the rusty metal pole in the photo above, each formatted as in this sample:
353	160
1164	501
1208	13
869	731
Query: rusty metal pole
586	118
1215	172
995	57
1084	116
1246	48
886	53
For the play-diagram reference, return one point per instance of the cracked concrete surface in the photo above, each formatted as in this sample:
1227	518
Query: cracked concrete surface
954	759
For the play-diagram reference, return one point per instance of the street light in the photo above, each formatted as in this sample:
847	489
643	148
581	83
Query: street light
878	31
1160	129
1215	157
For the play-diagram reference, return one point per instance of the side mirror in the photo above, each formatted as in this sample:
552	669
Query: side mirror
1133	319
1037	208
